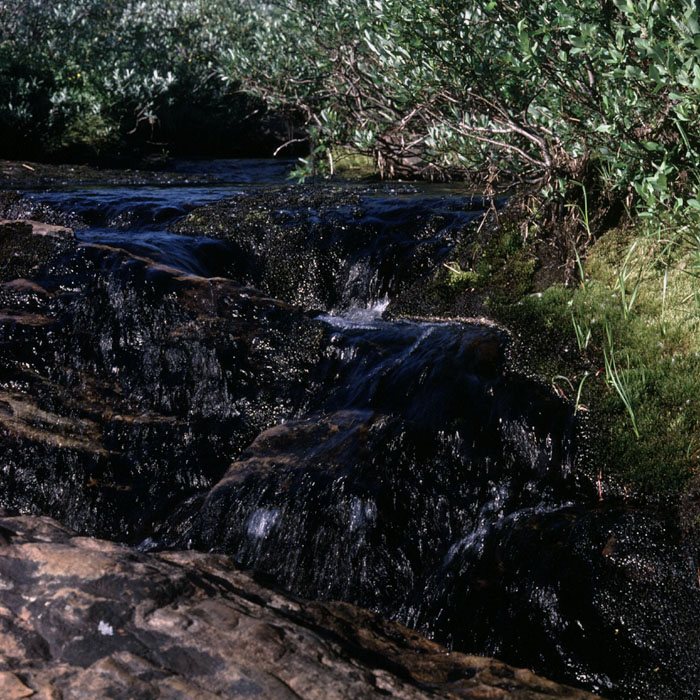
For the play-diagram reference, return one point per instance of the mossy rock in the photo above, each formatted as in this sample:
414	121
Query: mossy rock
331	247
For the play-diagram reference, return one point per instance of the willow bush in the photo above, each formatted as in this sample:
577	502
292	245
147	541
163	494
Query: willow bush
84	77
521	91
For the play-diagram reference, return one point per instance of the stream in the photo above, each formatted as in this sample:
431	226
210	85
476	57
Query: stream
211	366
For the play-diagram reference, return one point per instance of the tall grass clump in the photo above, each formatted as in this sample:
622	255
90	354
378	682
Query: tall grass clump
642	360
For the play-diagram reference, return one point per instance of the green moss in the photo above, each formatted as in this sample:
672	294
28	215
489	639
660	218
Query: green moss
256	216
638	306
499	266
350	165
665	395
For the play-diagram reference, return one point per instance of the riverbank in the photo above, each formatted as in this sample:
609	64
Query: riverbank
30	174
614	331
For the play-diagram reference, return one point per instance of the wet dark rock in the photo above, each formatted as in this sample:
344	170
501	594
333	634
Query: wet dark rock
126	385
604	595
425	439
333	247
338	493
423	432
27	245
440	489
13	206
29	175
86	618
119	208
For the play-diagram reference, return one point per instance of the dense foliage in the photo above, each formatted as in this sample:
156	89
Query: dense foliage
603	90
523	90
87	77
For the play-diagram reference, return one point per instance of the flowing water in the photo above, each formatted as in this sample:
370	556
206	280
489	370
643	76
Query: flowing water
245	394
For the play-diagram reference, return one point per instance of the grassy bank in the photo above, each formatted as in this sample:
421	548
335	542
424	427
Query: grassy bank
617	335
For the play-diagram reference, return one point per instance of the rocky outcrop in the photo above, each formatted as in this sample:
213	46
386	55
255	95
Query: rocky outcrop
27	245
332	247
365	498
85	618
126	385
400	466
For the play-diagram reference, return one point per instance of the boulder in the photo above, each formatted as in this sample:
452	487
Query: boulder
125	385
86	618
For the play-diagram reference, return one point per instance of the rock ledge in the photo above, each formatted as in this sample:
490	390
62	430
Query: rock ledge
87	618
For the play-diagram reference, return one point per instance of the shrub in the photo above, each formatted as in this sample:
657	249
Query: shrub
517	90
81	77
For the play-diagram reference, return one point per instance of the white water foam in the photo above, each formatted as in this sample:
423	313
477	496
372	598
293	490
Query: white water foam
361	513
364	317
261	521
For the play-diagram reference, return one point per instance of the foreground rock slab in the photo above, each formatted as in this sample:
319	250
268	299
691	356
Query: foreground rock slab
87	618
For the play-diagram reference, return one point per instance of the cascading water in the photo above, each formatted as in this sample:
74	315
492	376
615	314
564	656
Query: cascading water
231	384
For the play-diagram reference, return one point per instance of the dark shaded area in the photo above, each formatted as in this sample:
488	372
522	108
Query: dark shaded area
605	596
190	121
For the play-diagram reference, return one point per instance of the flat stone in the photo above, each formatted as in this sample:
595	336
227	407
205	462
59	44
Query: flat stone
12	688
25	245
35	228
90	619
29	174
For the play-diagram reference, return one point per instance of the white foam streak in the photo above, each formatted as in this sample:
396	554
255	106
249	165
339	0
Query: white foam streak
364	317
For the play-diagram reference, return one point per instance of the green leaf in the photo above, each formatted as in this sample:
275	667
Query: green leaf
654	73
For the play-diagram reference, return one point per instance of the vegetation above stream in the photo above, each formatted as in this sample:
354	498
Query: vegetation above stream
122	82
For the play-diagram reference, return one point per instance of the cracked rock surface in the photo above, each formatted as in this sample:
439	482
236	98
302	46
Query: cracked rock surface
87	618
